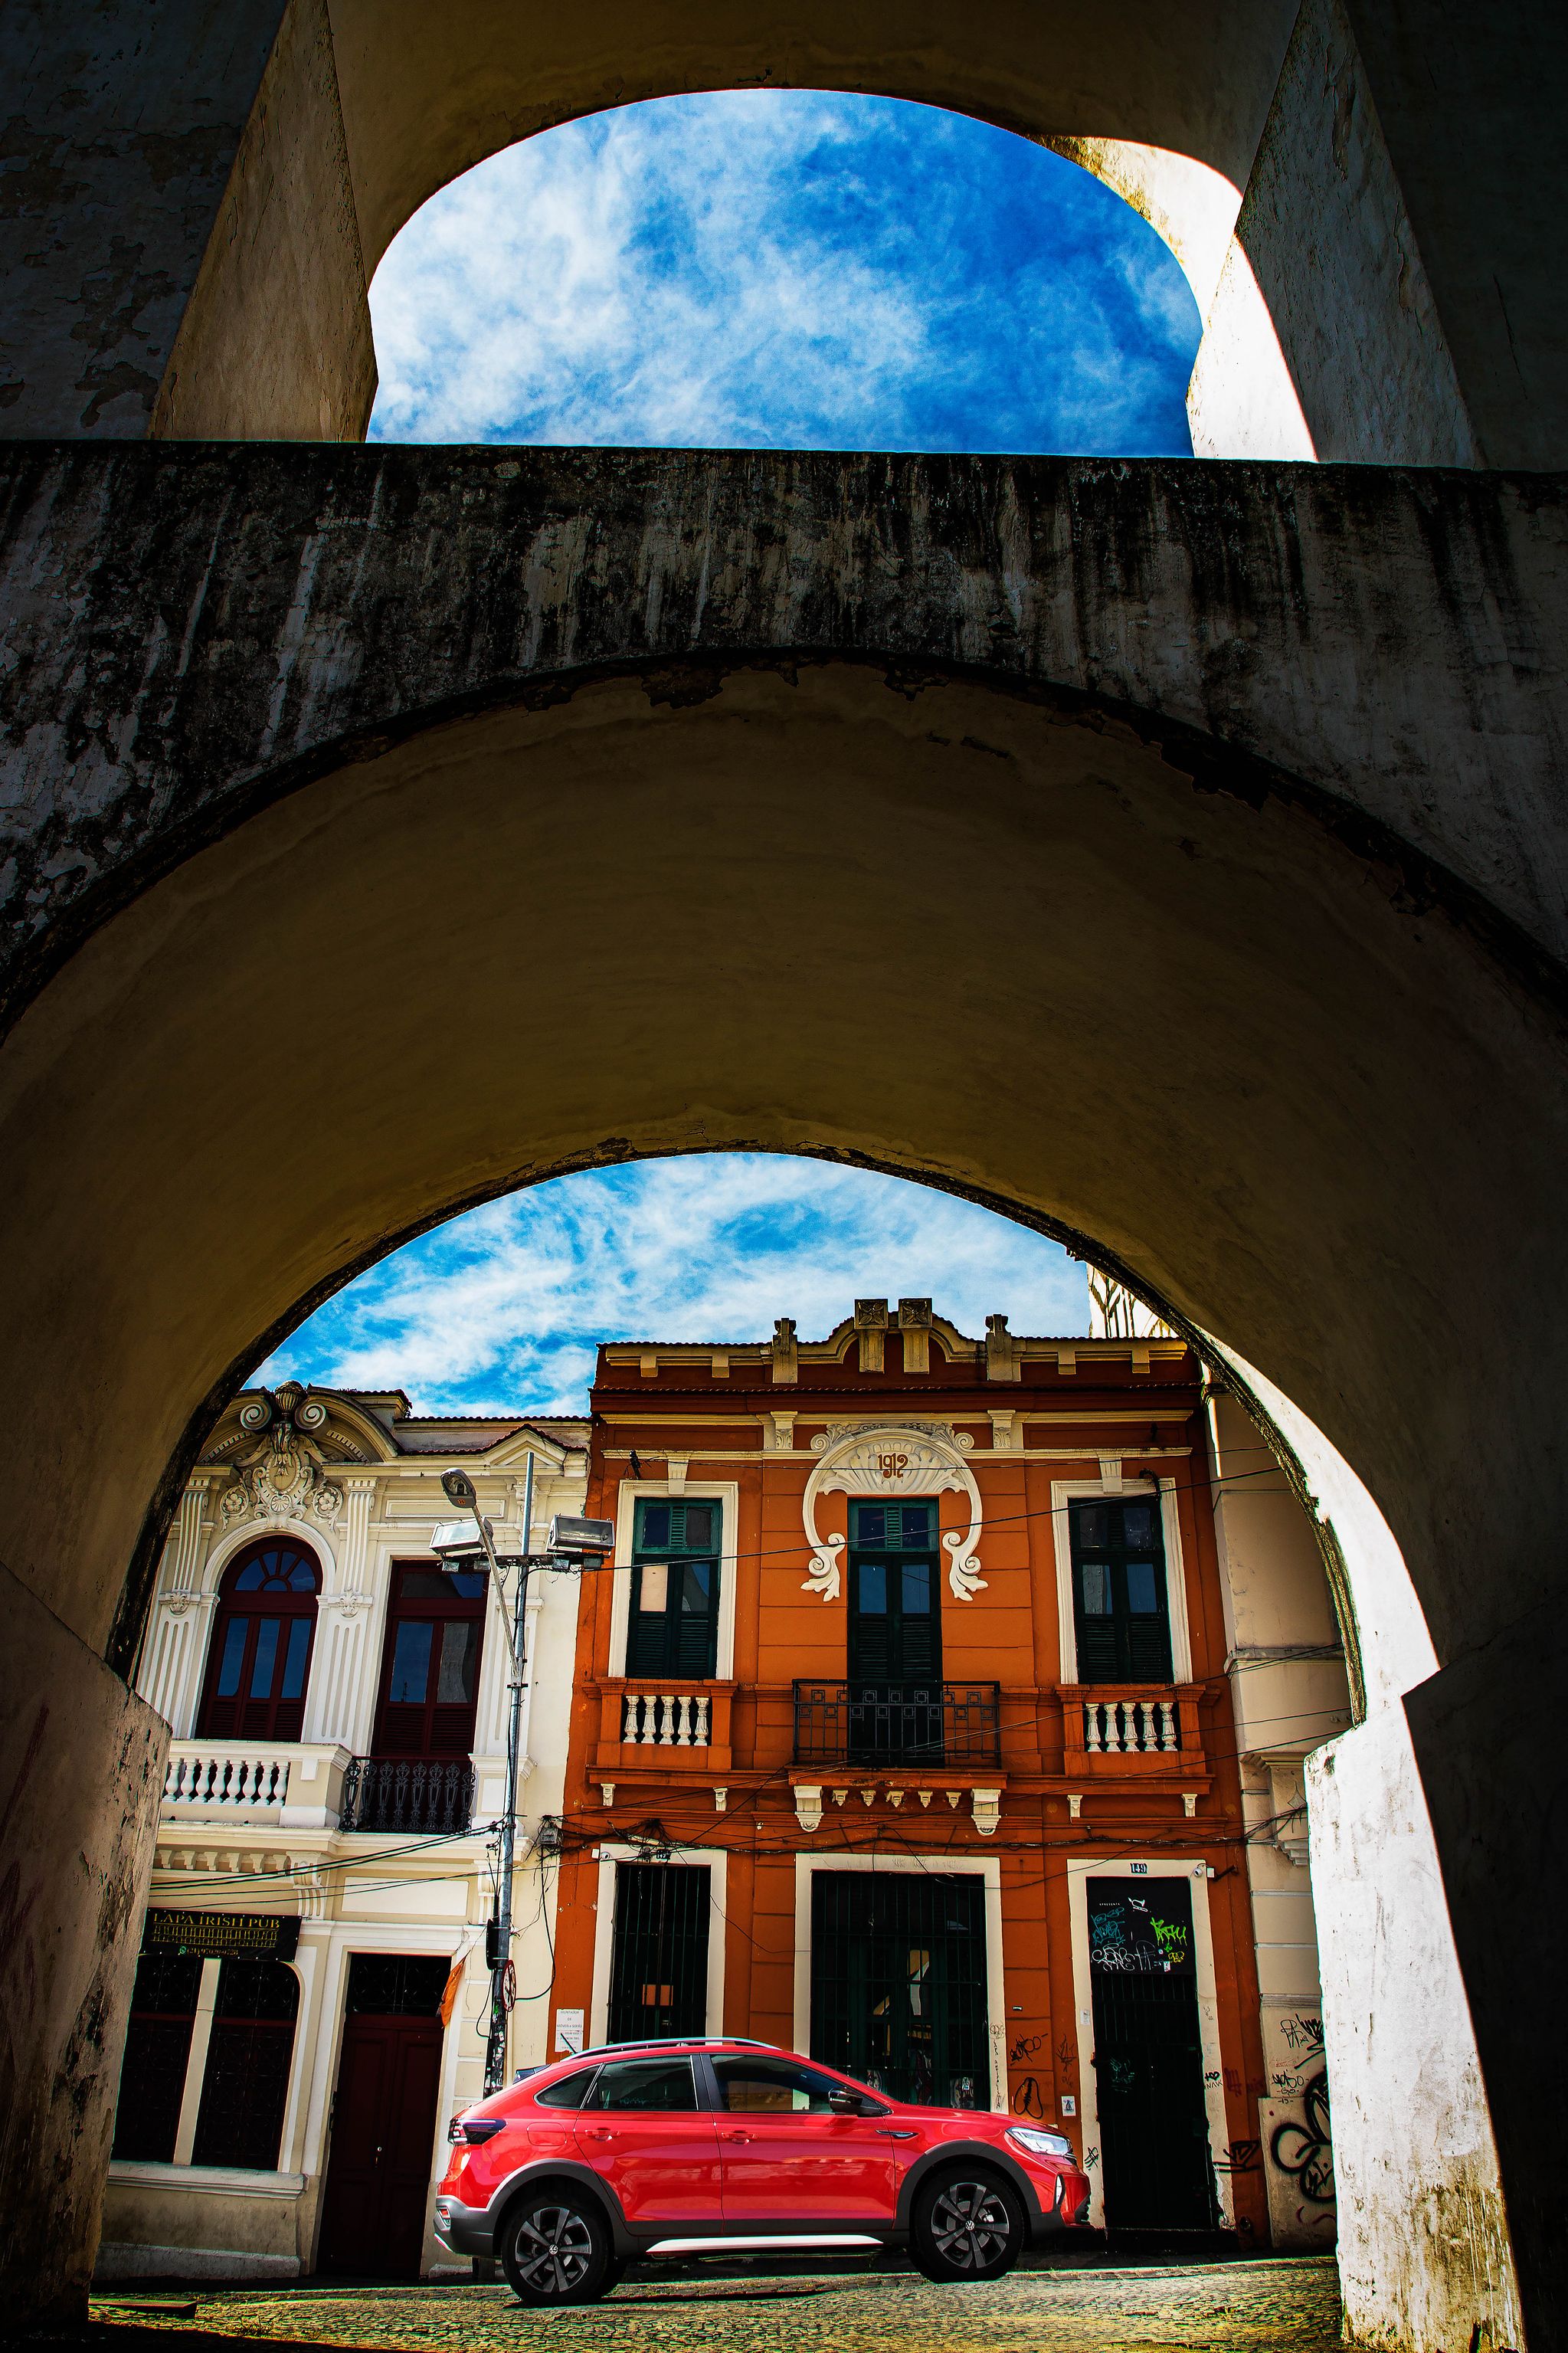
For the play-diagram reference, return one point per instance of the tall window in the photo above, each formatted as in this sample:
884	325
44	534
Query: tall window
895	1627
1121	1607
430	1669
260	1655
245	2089
674	1624
157	2049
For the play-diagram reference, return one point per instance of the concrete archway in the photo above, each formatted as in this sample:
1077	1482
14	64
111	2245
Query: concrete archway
1181	863
234	185
956	928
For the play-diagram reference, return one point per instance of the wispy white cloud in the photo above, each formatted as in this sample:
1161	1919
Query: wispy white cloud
785	270
502	1308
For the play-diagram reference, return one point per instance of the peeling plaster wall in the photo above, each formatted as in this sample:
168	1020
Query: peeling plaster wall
81	1771
1426	2263
119	131
1424	2248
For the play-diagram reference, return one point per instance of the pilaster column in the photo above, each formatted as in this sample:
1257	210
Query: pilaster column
342	1621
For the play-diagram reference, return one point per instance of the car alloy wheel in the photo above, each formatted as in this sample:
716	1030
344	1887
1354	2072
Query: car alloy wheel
968	2227
557	2250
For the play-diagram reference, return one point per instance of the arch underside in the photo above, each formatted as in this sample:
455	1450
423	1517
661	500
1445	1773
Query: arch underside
940	928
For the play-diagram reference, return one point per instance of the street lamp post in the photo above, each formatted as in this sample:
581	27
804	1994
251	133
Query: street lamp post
571	1545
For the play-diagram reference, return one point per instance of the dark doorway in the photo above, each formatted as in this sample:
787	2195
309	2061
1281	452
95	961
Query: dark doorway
379	2170
659	1968
897	1983
1147	2057
895	1633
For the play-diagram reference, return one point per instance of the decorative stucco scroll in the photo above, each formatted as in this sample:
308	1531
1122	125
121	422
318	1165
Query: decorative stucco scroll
284	1473
894	1460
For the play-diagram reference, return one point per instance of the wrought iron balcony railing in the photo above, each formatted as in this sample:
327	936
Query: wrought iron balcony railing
911	1724
396	1793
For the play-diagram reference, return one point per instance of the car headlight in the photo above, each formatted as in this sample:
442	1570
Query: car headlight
1039	2144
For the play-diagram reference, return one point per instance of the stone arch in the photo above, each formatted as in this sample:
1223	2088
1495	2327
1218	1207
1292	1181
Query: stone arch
1000	940
1280	151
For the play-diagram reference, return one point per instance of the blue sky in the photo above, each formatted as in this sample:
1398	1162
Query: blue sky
767	269
784	269
502	1308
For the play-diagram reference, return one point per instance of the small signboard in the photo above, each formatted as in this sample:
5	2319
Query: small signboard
224	1936
569	2030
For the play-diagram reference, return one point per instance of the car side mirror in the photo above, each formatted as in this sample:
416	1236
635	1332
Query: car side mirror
844	2104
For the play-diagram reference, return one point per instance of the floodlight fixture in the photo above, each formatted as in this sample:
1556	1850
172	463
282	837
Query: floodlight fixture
578	1542
458	1543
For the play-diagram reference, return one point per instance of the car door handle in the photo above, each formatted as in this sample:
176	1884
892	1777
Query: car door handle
893	2132
737	2136
600	2132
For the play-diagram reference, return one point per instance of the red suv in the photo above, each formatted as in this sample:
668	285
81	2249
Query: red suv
710	2147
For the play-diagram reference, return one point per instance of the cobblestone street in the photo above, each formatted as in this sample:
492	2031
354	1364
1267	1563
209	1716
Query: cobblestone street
1255	2306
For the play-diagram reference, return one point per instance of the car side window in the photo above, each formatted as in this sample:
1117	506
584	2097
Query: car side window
773	2087
647	2083
570	2093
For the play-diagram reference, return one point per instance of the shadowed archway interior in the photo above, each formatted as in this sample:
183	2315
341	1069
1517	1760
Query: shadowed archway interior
1179	864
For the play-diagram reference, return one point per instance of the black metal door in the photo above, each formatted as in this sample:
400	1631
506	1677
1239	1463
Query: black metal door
1147	2057
659	1961
897	1983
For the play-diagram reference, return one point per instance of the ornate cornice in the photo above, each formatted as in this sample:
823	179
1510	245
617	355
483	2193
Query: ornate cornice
893	1459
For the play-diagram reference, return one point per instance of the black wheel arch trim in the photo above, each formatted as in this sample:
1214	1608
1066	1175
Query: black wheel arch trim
969	2152
581	2176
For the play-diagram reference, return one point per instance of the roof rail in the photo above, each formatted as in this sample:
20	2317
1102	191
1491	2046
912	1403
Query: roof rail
677	2042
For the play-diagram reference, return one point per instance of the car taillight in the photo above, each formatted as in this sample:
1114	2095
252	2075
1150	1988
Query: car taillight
472	2132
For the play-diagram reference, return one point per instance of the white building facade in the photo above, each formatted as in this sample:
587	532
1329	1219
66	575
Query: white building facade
313	1997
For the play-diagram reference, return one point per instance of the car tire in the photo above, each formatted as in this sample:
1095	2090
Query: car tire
555	2247
968	2225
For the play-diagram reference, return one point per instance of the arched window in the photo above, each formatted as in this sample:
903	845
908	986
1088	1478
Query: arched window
260	1654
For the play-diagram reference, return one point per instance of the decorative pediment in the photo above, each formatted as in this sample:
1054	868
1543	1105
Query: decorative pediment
895	1459
278	1467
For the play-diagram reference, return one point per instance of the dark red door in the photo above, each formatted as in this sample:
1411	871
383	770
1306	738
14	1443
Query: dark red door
383	2133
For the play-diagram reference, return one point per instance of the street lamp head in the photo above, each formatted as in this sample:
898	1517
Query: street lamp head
459	1489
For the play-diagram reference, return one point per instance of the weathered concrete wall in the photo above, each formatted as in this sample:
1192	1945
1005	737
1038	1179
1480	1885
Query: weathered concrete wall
1472	103
81	1769
121	127
193	632
1425	2256
276	338
1479	1726
1323	339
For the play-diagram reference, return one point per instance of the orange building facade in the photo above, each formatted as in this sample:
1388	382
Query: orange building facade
901	1736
